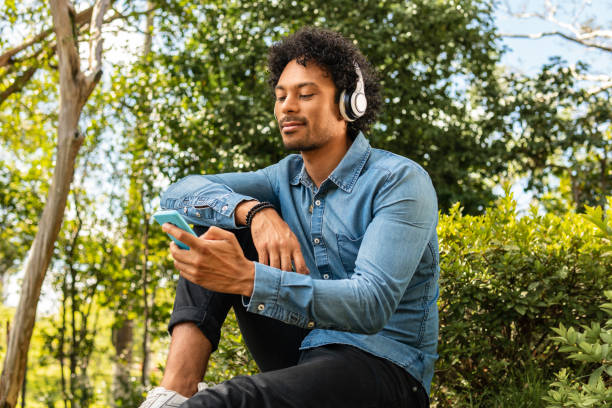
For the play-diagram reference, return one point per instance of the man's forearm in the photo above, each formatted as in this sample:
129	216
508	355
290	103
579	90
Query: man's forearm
242	210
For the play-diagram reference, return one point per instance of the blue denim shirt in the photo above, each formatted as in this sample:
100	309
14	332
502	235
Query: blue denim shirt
368	236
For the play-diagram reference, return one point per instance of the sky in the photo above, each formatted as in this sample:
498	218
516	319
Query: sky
528	55
523	55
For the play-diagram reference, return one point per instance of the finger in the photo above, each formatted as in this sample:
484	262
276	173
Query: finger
264	257
187	256
191	277
185	269
183	236
286	262
300	263
274	260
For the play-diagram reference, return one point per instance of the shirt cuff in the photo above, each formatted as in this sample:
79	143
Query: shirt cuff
265	297
265	289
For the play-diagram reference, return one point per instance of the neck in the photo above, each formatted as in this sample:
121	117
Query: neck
321	162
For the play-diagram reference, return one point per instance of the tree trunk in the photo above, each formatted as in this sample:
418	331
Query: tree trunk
123	338
75	89
146	353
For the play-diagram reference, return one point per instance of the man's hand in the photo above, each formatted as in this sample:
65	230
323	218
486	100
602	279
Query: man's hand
215	260
276	244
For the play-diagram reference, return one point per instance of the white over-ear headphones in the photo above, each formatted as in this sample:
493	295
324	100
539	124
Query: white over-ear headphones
354	105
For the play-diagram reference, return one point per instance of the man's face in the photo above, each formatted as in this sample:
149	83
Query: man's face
305	109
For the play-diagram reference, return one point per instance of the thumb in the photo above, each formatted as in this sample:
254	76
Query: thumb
217	233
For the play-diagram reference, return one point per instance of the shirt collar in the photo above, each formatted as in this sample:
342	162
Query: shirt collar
347	171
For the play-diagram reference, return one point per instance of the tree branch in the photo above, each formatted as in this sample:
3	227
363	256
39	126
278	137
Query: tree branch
81	18
18	84
579	34
82	21
560	34
597	89
95	45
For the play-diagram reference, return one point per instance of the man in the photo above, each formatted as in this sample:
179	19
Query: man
340	308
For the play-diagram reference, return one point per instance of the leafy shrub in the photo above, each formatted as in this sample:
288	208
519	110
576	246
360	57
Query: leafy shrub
592	347
232	357
505	281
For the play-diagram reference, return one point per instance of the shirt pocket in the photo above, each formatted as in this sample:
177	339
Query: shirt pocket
348	248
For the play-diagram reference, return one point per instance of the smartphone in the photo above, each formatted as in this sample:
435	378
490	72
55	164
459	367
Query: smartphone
174	218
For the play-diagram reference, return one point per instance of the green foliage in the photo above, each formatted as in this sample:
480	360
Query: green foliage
554	128
26	157
591	347
505	281
214	108
199	103
232	357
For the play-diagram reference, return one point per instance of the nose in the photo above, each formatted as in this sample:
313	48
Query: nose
289	105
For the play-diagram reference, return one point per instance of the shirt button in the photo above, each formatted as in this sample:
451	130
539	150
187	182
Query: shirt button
185	210
326	276
414	389
261	307
318	203
198	214
224	208
310	325
316	241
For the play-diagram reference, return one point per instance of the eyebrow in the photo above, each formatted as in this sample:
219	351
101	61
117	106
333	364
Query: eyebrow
300	85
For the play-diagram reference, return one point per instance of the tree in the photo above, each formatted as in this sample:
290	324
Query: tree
75	88
215	108
573	25
558	123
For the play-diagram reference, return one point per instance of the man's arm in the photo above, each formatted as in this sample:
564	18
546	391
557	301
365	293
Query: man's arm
224	200
405	218
212	199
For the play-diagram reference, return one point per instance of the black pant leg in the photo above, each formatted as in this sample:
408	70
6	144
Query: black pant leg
333	376
272	343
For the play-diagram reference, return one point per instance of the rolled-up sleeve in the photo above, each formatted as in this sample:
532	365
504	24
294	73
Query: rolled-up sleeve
405	218
212	199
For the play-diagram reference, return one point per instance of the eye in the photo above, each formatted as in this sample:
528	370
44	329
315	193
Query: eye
307	96
280	98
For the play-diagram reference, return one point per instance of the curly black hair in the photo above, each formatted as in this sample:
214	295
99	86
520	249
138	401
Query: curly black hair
335	54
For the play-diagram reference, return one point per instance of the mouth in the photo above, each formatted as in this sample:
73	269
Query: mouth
291	126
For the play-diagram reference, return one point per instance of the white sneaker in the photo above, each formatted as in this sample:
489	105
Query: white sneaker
159	397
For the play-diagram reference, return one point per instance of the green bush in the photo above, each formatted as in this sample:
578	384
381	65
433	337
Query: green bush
505	282
232	357
592	346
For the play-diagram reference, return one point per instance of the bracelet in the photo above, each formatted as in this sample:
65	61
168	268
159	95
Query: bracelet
255	209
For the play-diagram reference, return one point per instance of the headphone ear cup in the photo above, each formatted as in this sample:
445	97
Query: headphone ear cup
359	104
343	105
353	106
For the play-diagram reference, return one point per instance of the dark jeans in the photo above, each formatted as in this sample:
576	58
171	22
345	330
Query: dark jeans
329	376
